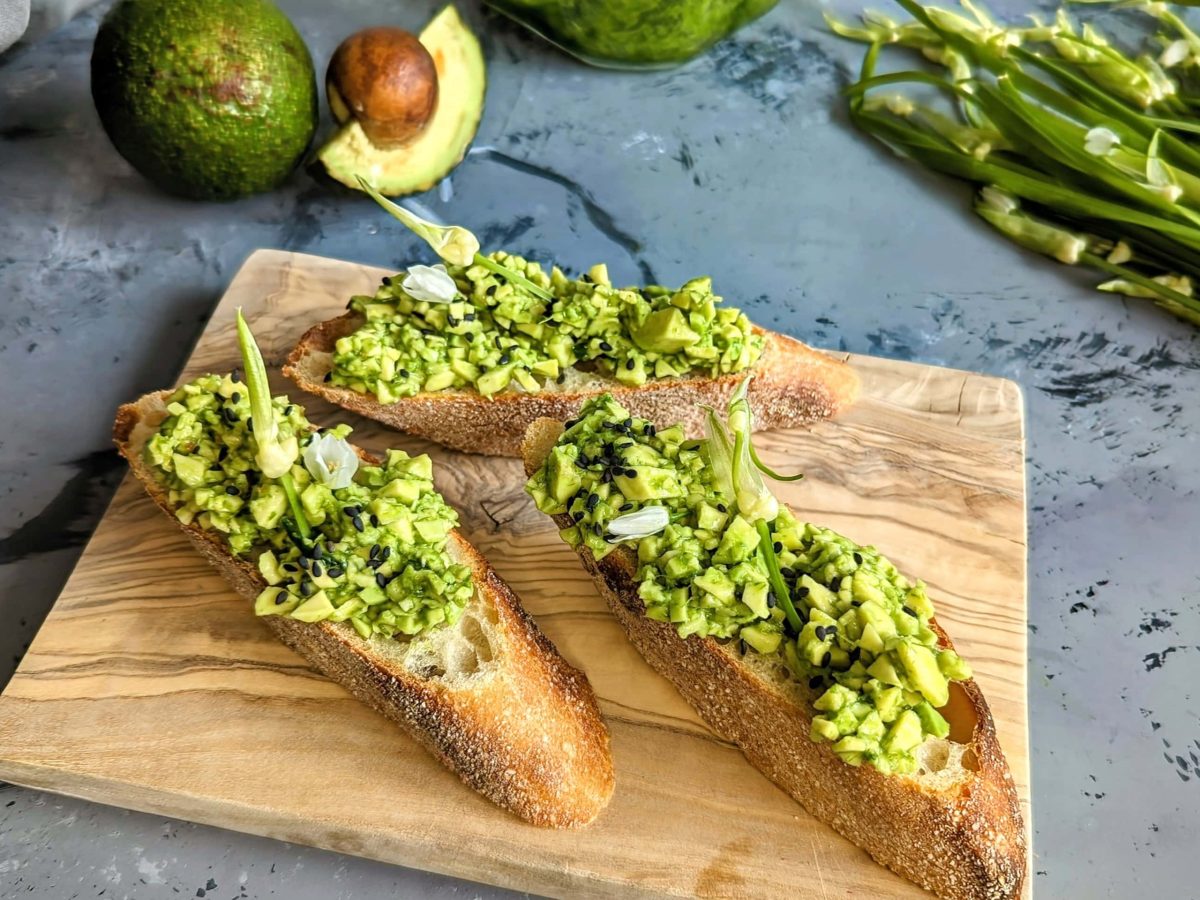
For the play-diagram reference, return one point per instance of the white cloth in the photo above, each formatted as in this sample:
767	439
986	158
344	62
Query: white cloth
14	17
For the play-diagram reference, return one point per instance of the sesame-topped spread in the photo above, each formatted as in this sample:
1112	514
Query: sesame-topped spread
376	552
503	323
713	559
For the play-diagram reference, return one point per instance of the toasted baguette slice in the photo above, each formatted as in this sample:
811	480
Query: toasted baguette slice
793	384
954	827
489	696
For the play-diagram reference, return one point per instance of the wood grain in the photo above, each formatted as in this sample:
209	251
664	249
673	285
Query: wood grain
151	686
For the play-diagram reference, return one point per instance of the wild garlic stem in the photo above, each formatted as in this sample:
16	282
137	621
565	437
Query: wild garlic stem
289	488
779	587
505	272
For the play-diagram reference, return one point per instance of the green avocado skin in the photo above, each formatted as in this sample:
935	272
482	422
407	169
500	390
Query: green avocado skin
209	99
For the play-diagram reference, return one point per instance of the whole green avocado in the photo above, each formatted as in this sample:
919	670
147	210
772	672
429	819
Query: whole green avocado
210	99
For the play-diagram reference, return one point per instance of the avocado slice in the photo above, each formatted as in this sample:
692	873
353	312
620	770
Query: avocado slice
422	163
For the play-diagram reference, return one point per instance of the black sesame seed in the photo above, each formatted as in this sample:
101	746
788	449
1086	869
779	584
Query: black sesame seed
387	280
374	551
231	490
351	511
469	317
222	453
825	659
802	591
820	632
742	645
858	559
318	552
387	551
316	569
230	415
490	290
816	681
854	654
787	572
307	588
770	600
335	572
592	500
452	321
646	429
631	473
607	476
381	579
236	376
404	373
835	584
777	547
909	610
281	597
290	567
605	346
357	523
470	336
856	603
721	507
235	397
628	423
577	515
629	364
304	562
831	631
562	376
288	411
504	359
249	423
625	507
374	520
328	377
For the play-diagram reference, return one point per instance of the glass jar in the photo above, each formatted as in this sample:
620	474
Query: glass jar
633	34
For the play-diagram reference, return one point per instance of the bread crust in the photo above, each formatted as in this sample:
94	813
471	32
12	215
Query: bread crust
963	840
793	384
524	730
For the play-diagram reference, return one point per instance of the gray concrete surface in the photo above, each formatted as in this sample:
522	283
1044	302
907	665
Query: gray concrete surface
740	165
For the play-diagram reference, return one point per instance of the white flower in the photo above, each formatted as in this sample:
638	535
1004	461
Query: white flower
432	284
331	460
1175	53
1101	141
637	525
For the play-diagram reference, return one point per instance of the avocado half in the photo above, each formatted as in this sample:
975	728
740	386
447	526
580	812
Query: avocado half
419	165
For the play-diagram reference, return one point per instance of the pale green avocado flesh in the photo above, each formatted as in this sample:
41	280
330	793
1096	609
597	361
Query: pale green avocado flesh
866	651
498	335
379	556
422	163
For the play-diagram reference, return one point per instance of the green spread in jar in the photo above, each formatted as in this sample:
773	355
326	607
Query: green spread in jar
864	647
497	334
377	557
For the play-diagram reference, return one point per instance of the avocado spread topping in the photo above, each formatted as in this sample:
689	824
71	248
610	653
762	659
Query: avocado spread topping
499	333
377	553
864	647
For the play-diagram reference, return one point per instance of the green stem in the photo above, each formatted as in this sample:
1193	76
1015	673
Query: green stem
515	278
289	488
768	471
1181	304
778	586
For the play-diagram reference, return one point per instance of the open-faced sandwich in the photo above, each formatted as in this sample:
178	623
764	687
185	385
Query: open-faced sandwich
470	352
813	654
356	563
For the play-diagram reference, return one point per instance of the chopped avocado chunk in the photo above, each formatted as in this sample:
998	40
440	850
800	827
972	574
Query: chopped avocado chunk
379	557
866	651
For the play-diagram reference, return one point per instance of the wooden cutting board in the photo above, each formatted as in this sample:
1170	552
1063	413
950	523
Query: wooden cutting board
152	686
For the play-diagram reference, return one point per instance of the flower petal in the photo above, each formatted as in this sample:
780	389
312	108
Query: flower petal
637	525
331	461
432	284
1101	141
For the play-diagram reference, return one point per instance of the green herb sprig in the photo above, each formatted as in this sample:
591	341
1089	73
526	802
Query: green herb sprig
1083	153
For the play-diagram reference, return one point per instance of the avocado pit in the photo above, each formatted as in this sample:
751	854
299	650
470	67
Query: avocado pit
386	80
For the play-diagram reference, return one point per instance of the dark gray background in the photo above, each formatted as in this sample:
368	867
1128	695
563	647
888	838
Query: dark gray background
740	165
